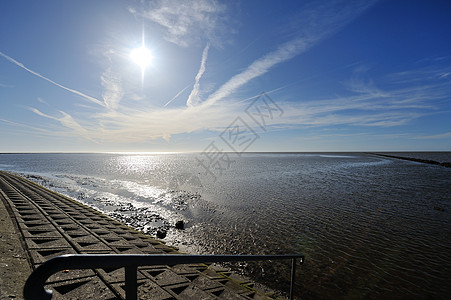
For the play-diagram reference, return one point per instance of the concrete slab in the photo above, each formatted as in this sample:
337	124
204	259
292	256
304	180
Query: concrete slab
46	242
84	288
62	226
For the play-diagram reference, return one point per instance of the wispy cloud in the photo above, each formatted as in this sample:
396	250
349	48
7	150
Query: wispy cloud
193	98
41	100
19	124
318	22
6	85
187	22
177	95
67	121
133	125
258	68
112	93
366	104
33	129
369	105
421	74
386	108
19	64
445	135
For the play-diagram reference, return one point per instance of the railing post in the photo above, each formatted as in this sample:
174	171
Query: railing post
293	276
131	285
34	286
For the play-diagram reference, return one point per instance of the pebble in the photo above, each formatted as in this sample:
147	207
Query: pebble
180	225
161	234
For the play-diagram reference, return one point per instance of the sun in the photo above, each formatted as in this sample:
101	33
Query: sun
141	56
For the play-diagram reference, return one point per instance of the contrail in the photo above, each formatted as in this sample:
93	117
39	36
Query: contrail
178	94
194	95
23	125
92	99
260	67
318	25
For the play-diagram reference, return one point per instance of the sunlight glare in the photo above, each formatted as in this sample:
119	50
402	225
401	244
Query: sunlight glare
141	56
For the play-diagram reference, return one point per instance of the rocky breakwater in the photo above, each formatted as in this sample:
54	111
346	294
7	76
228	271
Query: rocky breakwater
420	160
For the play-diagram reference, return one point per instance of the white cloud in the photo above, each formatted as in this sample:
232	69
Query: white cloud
177	95
33	129
318	22
368	105
364	108
133	125
6	85
187	22
112	93
36	111
19	64
258	68
193	98
445	135
41	100
67	121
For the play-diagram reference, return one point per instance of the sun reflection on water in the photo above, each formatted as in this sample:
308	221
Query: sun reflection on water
137	164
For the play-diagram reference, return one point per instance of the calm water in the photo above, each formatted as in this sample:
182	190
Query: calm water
369	226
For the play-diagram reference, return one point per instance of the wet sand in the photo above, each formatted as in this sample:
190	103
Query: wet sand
38	224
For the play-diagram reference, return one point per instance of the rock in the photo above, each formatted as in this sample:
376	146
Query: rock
439	208
161	234
180	225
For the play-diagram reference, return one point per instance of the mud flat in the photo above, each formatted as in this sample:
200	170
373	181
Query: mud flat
38	224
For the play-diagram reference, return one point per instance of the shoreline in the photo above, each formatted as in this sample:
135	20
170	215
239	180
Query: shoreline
136	217
51	224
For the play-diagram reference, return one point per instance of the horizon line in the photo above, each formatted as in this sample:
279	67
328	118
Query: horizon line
199	152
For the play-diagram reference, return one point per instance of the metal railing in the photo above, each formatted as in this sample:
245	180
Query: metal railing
34	286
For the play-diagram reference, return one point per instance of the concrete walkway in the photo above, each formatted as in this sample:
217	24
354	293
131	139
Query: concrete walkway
38	224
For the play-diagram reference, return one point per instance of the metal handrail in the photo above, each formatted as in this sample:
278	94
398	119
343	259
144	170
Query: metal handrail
34	286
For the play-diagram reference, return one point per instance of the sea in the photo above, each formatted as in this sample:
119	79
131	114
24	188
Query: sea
369	227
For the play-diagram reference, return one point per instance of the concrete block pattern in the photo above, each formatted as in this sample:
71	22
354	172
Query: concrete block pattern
53	225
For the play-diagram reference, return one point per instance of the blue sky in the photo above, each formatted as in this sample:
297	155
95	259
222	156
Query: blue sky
236	75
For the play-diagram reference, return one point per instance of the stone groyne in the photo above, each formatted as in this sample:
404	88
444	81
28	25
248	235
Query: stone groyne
420	160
